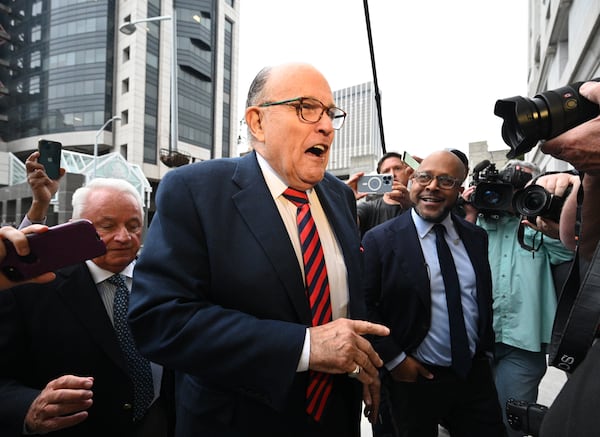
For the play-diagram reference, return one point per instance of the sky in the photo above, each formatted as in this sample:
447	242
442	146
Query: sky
441	65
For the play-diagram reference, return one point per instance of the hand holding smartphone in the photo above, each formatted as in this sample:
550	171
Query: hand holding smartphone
375	184
410	161
58	247
50	152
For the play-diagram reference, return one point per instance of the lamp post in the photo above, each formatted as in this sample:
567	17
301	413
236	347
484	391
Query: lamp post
110	120
130	27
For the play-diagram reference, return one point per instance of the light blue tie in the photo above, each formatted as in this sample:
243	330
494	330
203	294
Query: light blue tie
138	366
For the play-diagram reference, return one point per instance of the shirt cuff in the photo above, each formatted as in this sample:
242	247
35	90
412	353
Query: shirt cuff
391	364
305	356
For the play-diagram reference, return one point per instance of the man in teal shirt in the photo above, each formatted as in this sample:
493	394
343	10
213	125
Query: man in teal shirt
524	296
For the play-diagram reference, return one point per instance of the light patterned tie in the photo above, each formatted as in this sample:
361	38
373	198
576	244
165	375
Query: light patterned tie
459	343
138	366
317	290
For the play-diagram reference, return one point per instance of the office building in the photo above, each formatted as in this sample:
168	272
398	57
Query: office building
357	145
564	47
71	71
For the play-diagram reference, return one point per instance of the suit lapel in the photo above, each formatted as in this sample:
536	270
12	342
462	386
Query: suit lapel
268	229
76	287
407	247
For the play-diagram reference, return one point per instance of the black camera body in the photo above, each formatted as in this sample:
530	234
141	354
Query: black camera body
494	189
525	416
534	201
545	116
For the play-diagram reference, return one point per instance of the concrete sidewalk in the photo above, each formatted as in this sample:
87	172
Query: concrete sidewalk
549	388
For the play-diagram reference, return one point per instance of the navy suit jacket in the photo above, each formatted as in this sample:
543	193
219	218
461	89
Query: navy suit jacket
397	286
54	329
218	295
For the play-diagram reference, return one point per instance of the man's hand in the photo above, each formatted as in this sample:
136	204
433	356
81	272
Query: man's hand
338	347
60	405
372	399
399	194
19	239
556	184
579	146
409	369
353	183
42	187
470	211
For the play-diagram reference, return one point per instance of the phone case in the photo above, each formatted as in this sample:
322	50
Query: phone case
50	152
58	247
377	184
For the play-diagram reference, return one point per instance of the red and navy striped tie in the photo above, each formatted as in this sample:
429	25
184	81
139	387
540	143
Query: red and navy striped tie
317	290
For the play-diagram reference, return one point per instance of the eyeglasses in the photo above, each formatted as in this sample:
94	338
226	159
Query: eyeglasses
311	110
444	182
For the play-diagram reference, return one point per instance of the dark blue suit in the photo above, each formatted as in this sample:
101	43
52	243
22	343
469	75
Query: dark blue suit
218	295
59	328
397	281
398	295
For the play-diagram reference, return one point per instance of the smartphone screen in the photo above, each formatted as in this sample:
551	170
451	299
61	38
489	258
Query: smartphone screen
50	152
410	161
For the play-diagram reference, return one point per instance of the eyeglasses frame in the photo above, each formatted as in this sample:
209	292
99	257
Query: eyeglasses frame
299	109
457	182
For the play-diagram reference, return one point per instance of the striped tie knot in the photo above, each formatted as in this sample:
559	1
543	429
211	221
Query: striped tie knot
298	198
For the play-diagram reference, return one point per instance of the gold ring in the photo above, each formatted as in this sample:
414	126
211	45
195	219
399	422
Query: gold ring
355	372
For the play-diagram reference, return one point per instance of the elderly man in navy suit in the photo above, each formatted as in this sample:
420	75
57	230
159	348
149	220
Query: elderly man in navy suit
250	277
427	277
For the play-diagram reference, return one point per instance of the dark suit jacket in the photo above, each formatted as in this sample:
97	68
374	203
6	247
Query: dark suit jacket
397	284
59	328
218	295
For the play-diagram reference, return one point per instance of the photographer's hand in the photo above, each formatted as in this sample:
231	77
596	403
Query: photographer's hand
399	195
353	183
556	184
580	146
470	211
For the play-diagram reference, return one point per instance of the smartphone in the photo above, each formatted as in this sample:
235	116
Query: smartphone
58	247
375	184
50	152
410	161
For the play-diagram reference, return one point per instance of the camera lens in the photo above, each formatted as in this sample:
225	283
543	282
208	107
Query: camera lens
531	201
492	196
527	121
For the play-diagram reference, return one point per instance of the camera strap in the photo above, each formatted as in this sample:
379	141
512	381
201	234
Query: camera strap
578	311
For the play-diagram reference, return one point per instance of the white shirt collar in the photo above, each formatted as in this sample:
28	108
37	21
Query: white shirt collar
424	227
99	274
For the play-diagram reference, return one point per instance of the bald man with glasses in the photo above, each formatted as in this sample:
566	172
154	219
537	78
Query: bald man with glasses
249	281
427	277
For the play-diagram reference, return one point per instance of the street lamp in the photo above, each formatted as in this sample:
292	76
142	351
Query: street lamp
129	28
110	120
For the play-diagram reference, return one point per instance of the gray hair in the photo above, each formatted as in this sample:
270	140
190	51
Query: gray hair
535	170
81	195
256	91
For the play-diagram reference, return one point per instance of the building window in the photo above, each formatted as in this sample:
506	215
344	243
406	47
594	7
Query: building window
36	33
36	8
126	54
124	117
125	86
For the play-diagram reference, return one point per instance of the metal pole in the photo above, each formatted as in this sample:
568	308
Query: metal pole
110	120
377	95
174	92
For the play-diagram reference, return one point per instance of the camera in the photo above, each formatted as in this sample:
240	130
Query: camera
525	416
493	188
376	184
534	201
547	115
